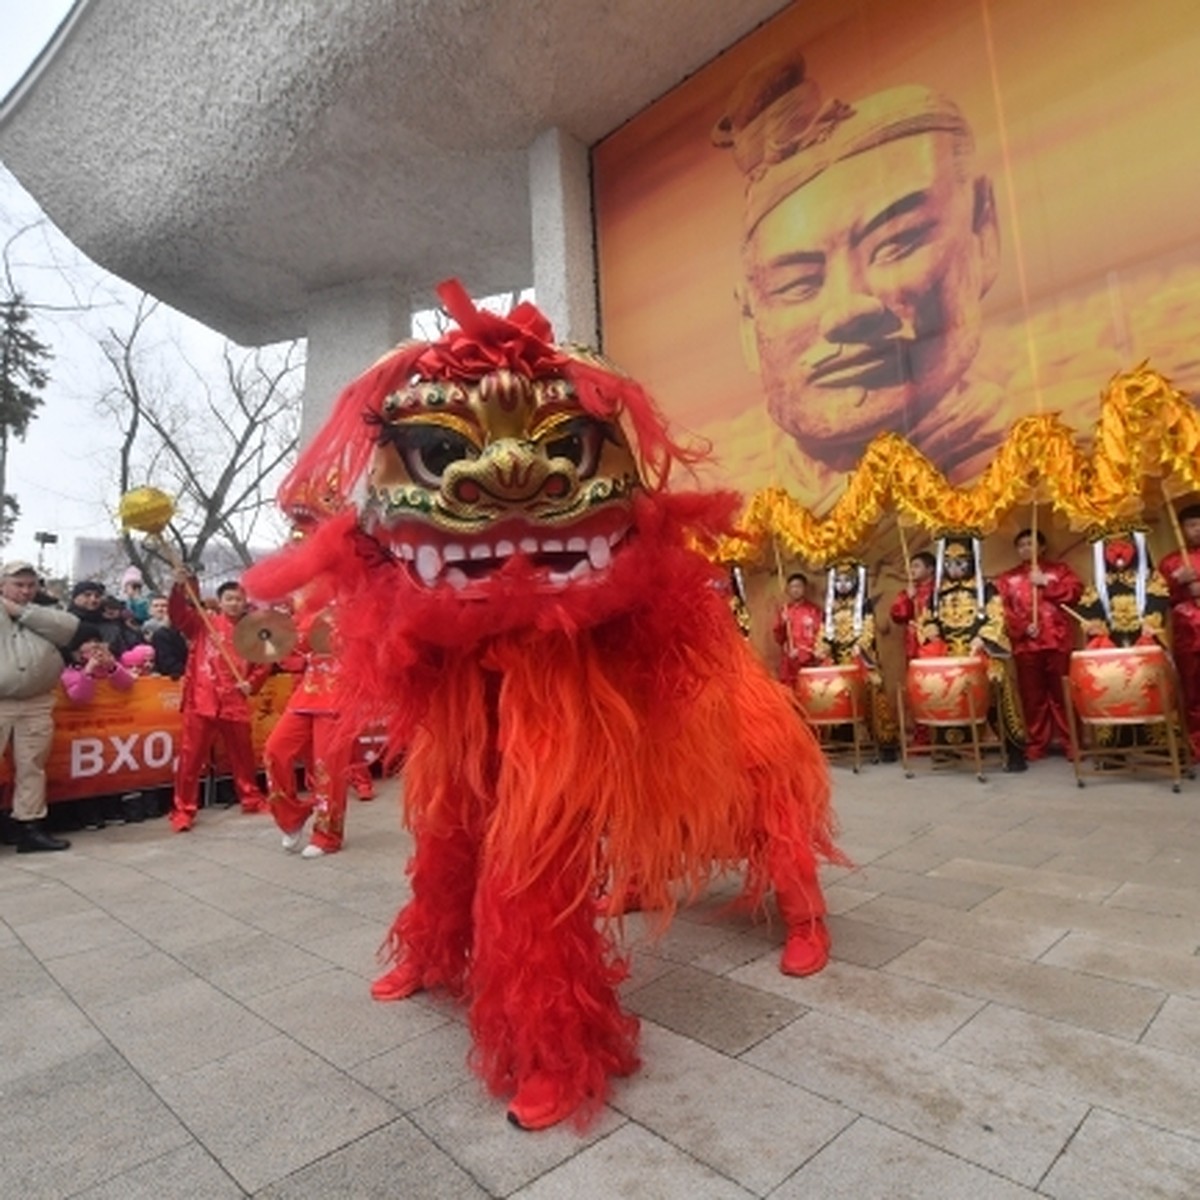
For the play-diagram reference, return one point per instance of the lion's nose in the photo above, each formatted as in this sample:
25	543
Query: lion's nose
512	472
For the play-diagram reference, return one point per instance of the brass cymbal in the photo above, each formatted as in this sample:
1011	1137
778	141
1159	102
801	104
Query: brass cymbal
320	636
265	637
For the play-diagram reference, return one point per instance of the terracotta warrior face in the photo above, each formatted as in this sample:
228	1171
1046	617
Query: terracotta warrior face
470	476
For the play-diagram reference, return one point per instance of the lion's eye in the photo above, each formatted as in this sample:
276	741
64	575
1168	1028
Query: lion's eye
580	442
429	451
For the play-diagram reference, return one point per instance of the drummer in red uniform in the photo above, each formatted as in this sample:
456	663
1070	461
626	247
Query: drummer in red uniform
913	600
1128	601
1182	573
797	628
1042	637
965	618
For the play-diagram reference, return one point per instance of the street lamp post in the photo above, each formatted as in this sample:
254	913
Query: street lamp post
43	540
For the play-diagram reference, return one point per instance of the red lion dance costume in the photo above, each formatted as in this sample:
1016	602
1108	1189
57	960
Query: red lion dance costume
523	603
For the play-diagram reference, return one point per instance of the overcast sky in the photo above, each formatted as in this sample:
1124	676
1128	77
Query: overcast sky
62	474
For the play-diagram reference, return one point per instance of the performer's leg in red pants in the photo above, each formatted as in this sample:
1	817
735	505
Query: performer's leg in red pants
1188	664
546	1021
240	748
195	745
332	749
288	743
802	906
1039	681
361	781
430	940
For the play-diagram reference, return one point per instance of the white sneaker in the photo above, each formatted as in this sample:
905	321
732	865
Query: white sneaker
311	851
291	841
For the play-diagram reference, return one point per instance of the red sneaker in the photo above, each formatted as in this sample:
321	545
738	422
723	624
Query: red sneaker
402	981
807	949
539	1103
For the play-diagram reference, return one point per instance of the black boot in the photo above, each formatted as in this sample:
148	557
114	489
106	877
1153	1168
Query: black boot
1015	761
32	839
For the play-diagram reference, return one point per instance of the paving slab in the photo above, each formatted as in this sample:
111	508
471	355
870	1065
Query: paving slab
1113	1158
1011	1010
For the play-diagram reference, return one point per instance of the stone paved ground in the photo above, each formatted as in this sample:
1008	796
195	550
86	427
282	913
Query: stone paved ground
1013	1010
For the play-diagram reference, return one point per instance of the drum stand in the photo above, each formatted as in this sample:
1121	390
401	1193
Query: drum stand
834	747
972	751
1126	759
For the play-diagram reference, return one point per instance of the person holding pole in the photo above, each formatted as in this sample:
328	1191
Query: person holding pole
1181	569
216	687
797	627
1034	593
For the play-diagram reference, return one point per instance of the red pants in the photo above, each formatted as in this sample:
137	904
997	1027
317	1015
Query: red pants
1188	664
1039	680
318	741
361	781
195	747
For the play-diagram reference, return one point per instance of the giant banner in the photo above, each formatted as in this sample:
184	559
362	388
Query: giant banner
126	741
920	217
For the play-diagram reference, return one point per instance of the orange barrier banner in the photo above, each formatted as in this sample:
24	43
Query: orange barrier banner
127	741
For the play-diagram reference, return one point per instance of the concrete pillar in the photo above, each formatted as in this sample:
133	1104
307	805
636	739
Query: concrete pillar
564	262
348	329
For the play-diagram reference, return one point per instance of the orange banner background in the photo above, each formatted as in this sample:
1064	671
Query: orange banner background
126	741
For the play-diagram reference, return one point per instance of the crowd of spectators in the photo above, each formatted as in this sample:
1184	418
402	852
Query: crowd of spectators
121	634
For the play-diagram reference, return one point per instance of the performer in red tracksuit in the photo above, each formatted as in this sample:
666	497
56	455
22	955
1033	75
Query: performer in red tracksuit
797	627
913	600
214	702
1041	641
1182	573
310	731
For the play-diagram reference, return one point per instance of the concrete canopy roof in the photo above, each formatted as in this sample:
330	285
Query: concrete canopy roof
234	158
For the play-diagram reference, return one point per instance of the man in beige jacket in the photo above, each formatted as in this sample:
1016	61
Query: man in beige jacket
30	666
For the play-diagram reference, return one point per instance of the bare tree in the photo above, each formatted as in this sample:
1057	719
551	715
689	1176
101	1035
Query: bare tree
218	446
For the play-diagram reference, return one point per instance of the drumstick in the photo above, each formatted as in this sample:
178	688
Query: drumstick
1078	616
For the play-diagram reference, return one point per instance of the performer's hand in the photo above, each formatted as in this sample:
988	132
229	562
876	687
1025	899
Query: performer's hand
1184	573
1038	578
181	574
1095	629
1031	631
244	687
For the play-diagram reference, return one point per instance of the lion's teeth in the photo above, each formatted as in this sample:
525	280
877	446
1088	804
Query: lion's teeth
456	578
429	564
453	552
599	554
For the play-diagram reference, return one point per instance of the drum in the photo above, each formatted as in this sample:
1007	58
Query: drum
947	691
1119	685
832	695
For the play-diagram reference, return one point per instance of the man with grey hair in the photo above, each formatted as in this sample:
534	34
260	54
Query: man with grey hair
31	637
868	244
